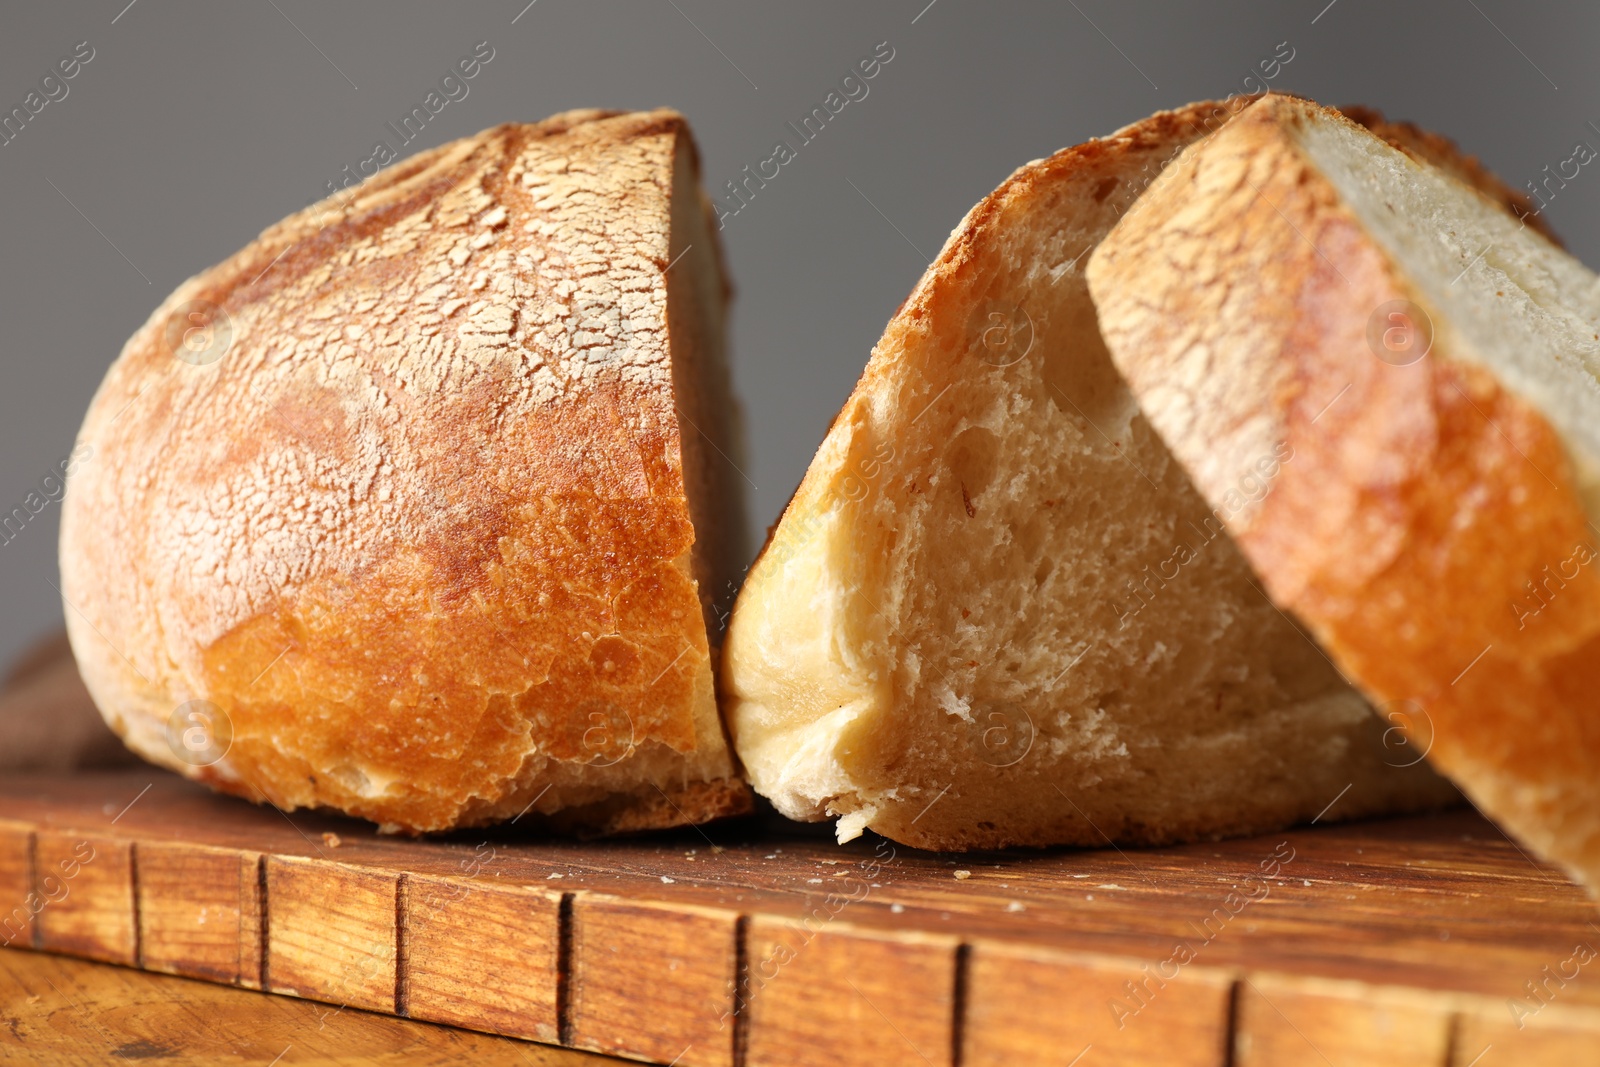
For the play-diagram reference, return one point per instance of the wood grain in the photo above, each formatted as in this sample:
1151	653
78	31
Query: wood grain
482	955
1385	942
86	884
1295	1021
654	981
69	1013
822	994
193	917
252	894
17	898
331	932
1119	1012
1555	1037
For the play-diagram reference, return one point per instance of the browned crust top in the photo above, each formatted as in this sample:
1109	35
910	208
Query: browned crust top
423	517
1416	510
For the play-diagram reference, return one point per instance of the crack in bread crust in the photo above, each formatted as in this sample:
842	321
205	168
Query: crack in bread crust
422	530
916	535
1236	299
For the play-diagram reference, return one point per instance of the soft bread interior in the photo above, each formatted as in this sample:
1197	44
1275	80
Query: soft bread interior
997	611
1509	299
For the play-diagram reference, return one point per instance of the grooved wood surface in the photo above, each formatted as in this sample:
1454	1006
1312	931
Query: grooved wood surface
687	1018
512	936
1423	941
61	1012
193	912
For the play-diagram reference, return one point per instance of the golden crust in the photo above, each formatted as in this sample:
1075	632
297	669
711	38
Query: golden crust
1179	127
971	810
420	528
695	803
961	251
1414	509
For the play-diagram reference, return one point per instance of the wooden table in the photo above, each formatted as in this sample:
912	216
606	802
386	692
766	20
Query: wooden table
1415	941
63	1012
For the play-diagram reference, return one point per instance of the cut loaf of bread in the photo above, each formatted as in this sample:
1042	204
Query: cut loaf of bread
1294	285
414	507
997	612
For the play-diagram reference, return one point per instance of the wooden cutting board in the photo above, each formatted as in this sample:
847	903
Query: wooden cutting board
56	1011
1417	941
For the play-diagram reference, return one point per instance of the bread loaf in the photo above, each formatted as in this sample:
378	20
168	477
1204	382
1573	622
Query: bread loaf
1295	283
997	612
414	507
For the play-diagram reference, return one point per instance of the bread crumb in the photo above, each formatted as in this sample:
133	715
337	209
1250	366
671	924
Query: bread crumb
667	880
331	840
1016	905
897	908
554	874
963	875
813	881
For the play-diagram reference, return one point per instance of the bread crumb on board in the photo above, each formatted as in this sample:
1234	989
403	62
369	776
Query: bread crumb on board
962	876
331	840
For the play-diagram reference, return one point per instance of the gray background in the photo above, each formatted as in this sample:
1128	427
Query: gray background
197	125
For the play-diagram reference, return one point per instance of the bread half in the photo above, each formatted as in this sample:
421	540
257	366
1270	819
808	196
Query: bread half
1294	285
421	497
997	612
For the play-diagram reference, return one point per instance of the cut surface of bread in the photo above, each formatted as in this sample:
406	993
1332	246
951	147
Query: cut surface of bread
1443	153
996	611
422	496
1294	283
